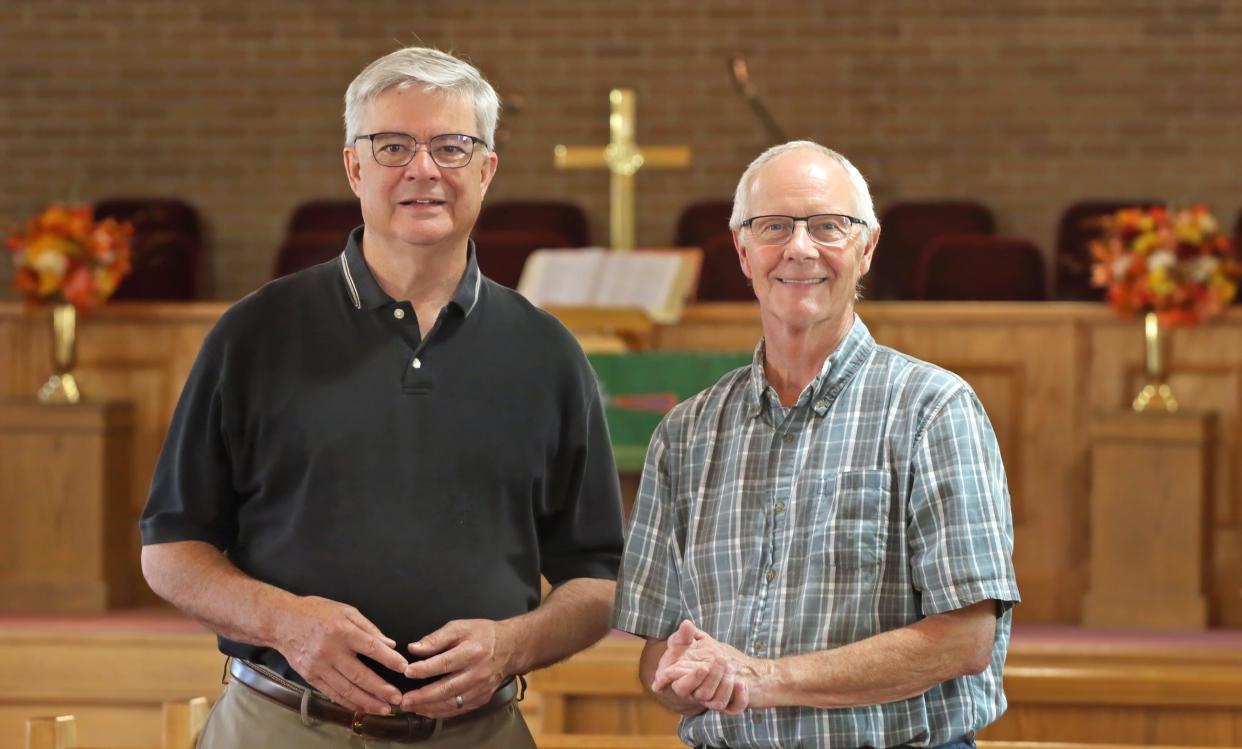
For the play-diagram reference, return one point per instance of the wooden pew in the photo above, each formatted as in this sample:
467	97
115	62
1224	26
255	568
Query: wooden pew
182	723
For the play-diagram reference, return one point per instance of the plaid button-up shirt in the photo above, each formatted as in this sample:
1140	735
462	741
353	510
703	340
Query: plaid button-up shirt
878	499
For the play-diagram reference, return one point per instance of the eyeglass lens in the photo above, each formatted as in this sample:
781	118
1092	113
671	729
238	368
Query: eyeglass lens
825	228
398	149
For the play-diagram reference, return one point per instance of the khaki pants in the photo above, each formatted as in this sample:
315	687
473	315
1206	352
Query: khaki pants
243	718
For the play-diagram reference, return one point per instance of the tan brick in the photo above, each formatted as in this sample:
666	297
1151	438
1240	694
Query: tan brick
1022	104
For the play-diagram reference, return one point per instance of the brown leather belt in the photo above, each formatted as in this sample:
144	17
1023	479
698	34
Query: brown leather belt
407	727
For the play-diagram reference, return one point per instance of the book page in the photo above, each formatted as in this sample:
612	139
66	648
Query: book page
658	282
637	279
562	278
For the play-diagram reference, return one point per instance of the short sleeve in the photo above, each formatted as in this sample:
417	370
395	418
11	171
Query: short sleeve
960	523
582	536
192	494
648	598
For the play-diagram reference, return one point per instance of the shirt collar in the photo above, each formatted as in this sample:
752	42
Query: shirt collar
364	292
835	373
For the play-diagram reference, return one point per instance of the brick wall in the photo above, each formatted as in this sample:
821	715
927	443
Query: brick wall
235	104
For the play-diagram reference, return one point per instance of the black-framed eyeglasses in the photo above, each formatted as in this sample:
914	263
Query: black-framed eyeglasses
450	150
823	228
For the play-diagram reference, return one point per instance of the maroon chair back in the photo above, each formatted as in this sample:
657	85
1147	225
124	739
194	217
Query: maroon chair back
905	228
1237	244
167	247
966	267
301	251
701	221
566	220
502	253
721	278
318	217
317	232
1072	258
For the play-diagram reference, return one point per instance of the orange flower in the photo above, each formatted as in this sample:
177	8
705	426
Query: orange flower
63	254
1174	263
79	289
105	282
27	282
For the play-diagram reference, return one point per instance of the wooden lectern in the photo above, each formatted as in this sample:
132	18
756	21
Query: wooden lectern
1150	492
65	544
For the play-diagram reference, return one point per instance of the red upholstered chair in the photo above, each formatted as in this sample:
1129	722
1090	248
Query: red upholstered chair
167	249
301	251
503	252
317	232
1237	243
905	228
721	278
565	219
1072	259
701	221
326	217
966	267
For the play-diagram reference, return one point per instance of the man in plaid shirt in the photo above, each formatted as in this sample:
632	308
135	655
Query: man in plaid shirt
820	554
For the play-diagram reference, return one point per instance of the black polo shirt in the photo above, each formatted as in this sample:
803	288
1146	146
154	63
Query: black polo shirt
331	450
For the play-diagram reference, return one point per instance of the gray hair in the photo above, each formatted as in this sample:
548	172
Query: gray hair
858	184
434	71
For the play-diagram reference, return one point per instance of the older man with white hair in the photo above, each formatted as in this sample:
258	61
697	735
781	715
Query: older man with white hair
374	460
820	553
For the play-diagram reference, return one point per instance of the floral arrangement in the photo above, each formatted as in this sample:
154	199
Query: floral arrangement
65	256
1174	263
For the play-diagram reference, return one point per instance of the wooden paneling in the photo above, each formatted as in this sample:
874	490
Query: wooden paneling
131	352
1149	481
1041	370
1205	364
64	488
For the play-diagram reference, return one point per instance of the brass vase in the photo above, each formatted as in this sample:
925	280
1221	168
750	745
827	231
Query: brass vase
61	387
1156	395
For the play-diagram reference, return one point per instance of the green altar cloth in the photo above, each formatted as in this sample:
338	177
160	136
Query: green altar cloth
639	388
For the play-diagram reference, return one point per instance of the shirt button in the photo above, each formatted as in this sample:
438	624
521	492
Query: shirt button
760	644
757	718
780	507
416	363
771	574
821	404
788	438
398	313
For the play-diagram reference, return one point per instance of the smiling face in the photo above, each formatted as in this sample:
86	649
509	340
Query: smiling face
419	205
804	287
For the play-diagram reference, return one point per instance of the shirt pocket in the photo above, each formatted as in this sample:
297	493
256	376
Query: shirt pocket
855	525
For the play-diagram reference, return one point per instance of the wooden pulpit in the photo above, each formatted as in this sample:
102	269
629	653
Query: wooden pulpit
1150	498
64	490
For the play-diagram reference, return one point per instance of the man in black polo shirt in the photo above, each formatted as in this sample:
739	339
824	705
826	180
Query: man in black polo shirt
373	461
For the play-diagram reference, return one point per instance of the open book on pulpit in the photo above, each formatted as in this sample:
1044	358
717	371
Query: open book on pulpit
656	281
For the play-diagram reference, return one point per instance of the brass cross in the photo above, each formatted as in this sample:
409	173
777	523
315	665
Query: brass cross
623	157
